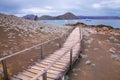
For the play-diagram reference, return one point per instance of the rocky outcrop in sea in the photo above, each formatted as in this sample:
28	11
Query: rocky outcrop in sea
100	29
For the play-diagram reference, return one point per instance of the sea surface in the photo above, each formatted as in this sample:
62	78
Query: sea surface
113	23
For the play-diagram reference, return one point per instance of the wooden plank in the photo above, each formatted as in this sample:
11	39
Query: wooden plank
61	63
64	58
33	70
27	73
41	65
64	61
14	78
52	76
58	66
37	71
53	68
51	59
53	71
23	77
48	61
67	56
31	73
45	63
37	67
57	69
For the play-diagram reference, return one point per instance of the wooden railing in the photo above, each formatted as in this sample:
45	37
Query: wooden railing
3	60
43	73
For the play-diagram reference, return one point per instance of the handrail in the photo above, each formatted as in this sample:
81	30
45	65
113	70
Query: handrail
3	59
32	47
50	65
29	48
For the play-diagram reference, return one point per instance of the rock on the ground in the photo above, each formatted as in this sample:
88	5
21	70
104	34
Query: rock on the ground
83	55
88	62
115	57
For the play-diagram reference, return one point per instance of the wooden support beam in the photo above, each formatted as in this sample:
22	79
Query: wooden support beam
45	76
41	52
71	51
5	70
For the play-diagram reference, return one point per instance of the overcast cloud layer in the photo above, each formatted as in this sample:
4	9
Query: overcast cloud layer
56	7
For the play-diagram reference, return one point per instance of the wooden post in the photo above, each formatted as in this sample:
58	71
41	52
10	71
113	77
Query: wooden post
45	76
5	70
80	40
60	42
61	78
71	51
41	53
60	45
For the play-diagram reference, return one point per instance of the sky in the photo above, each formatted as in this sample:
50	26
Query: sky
58	7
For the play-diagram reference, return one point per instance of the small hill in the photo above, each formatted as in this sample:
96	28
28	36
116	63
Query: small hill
30	17
66	16
46	17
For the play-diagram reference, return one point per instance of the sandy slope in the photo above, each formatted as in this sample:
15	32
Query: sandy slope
100	58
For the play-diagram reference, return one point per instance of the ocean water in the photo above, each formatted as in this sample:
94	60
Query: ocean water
113	23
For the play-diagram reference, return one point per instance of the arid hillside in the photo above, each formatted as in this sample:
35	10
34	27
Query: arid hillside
17	34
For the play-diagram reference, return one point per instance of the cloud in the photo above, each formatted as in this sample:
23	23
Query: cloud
37	10
56	7
97	6
48	7
9	7
107	4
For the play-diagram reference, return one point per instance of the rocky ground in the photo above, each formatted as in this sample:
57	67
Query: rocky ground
100	57
17	34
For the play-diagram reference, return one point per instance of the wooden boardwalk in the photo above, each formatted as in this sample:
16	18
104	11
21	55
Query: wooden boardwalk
55	65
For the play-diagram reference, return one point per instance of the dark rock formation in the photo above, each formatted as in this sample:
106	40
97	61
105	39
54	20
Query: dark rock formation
46	17
98	28
76	24
30	17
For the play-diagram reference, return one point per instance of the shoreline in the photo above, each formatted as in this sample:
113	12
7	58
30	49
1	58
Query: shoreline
98	28
83	24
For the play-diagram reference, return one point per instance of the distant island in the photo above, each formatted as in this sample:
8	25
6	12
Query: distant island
67	16
31	17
